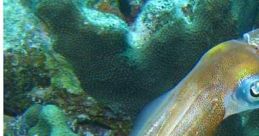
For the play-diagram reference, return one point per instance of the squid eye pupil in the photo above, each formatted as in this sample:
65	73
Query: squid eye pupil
254	89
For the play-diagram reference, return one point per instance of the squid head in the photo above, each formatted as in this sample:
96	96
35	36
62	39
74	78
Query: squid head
224	82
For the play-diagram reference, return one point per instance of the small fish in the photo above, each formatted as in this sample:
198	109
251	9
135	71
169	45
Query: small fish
224	82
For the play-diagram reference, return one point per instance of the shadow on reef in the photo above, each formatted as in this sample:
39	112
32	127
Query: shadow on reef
127	65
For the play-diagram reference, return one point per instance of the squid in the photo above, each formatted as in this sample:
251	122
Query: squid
224	82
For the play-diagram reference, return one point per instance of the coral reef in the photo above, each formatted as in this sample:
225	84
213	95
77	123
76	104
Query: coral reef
23	69
103	72
121	62
22	27
26	68
32	76
39	120
35	74
118	55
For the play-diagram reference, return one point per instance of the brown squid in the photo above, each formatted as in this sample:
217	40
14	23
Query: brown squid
224	82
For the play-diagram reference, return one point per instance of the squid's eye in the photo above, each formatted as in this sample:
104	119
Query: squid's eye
254	89
248	90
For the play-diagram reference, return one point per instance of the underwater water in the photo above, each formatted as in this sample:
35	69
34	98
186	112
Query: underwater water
131	67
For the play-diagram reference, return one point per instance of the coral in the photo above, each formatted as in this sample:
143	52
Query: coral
87	115
23	69
22	27
28	59
170	41
105	71
173	40
30	117
61	87
51	80
27	68
94	119
122	59
47	120
120	63
34	73
25	44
